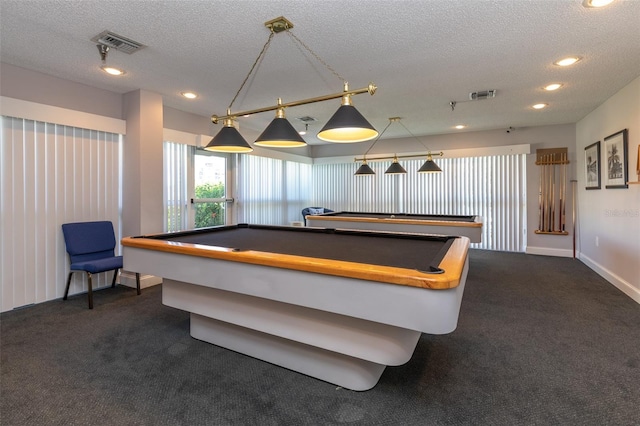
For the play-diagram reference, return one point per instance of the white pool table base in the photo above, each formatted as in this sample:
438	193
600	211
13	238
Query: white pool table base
342	370
339	349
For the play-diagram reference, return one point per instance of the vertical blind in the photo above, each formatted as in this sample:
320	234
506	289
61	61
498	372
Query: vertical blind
492	187
50	175
272	191
176	195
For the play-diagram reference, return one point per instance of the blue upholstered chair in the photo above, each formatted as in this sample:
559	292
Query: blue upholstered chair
91	248
313	210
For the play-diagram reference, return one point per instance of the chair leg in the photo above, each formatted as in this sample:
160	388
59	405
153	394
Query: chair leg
66	290
90	292
138	282
115	274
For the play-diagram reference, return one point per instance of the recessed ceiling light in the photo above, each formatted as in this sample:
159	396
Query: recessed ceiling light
112	70
460	126
596	3
539	106
189	95
565	62
553	86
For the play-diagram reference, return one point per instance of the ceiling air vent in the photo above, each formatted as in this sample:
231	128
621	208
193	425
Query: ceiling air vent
484	94
118	42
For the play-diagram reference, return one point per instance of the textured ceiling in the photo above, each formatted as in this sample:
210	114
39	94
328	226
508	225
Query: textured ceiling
422	54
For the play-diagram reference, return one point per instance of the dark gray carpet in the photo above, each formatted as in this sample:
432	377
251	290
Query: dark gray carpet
540	341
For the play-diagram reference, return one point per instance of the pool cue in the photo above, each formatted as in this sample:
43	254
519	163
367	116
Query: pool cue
553	192
550	206
547	191
560	194
638	163
573	213
540	201
564	192
544	193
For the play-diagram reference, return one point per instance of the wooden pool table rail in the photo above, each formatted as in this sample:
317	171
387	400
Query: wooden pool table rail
452	264
474	224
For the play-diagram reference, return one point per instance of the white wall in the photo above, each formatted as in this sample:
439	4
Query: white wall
21	83
611	217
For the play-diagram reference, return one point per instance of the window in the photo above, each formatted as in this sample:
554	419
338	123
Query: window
210	184
272	191
51	174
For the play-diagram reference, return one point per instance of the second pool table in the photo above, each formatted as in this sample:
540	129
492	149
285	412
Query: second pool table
338	305
467	226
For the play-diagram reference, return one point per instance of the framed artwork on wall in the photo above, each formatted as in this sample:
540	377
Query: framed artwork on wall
616	153
592	166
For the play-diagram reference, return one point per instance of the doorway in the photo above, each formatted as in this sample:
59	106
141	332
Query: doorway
211	203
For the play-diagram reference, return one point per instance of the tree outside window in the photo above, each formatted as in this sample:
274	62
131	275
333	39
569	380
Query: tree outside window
210	214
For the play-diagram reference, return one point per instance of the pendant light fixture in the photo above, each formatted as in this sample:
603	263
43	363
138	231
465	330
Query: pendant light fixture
396	168
280	133
229	140
429	166
364	169
345	126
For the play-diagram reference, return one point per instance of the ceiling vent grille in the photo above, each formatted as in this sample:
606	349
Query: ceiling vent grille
118	42
484	94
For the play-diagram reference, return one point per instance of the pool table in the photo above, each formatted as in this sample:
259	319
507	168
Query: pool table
468	226
337	305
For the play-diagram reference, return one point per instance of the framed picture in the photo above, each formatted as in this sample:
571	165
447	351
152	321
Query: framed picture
592	166
615	150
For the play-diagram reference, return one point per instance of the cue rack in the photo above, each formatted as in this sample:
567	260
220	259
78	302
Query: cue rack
552	194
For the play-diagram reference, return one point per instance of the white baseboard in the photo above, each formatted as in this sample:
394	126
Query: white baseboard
546	251
129	279
622	285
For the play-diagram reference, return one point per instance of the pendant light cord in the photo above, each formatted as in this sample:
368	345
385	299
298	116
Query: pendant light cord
377	139
315	55
416	138
258	59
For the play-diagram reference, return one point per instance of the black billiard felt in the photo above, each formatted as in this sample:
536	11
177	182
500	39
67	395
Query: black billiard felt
420	252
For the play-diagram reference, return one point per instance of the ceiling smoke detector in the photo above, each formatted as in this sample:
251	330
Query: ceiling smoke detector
118	42
484	94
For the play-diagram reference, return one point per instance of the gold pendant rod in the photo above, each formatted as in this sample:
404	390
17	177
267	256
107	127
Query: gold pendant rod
371	89
436	154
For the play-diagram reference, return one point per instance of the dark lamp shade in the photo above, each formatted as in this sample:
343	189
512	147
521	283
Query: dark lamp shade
280	134
364	170
395	169
229	139
347	125
429	167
